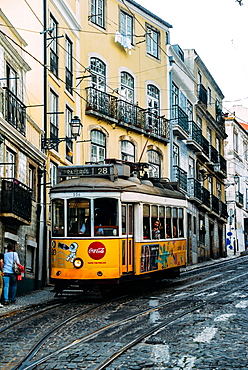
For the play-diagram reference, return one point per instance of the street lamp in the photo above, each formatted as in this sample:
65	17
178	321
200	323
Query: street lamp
52	142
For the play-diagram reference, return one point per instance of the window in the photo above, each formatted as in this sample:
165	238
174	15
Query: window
30	259
69	143
54	130
175	155
199	121
11	79
153	104
58	218
183	101
191	168
78	211
53	174
127	151
209	96
97	15
98	70
31	179
245	150
217	144
127	87
126	25
235	141
209	135
54	46
98	146
106	217
154	160
68	66
189	111
10	166
152	41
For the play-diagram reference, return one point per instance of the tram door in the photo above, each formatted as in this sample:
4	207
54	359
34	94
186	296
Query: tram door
127	241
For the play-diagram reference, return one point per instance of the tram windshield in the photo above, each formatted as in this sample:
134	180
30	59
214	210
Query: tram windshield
85	217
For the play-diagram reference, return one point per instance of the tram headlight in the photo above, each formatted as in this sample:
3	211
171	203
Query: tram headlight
78	263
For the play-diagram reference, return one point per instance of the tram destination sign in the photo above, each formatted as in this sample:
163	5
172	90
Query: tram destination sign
108	170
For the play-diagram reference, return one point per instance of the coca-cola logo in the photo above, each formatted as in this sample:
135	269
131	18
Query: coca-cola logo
96	250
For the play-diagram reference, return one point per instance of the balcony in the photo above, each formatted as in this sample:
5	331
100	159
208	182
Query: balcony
13	110
204	153
206	204
215	204
223	210
180	123
124	114
202	94
220	168
214	155
16	201
194	190
194	141
180	176
239	199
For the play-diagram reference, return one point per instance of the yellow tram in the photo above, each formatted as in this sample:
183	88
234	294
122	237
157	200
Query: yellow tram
110	225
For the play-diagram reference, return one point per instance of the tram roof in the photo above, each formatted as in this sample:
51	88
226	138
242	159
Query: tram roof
96	184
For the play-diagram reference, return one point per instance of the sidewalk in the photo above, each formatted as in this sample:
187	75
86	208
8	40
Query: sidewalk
29	299
46	294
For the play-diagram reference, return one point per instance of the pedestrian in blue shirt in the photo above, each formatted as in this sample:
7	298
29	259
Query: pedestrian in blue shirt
9	277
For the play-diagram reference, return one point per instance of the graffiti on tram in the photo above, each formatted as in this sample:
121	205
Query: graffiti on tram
154	254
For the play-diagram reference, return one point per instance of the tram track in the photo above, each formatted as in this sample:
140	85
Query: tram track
95	335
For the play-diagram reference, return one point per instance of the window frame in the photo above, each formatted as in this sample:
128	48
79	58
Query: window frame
97	19
152	41
124	31
98	146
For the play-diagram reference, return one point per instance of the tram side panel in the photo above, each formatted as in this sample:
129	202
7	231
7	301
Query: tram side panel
85	259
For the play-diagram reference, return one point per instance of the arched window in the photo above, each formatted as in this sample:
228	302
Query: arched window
98	70
127	151
127	87
154	161
98	146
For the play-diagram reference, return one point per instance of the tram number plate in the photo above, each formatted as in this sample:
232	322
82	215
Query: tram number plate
85	171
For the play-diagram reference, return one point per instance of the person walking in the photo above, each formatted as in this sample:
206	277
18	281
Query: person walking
9	277
1	277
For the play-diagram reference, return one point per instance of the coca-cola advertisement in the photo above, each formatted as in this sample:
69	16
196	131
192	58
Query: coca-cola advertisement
96	250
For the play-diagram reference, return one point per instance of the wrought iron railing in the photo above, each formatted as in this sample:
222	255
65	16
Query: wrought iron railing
202	94
179	117
180	176
223	209
124	113
205	197
214	154
195	132
223	166
194	189
215	204
240	198
16	198
205	146
14	111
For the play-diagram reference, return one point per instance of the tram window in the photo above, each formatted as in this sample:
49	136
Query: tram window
146	222
124	219
180	223
105	217
162	221
174	222
168	223
58	220
78	217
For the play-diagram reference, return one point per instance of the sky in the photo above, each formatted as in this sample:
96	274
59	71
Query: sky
218	31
